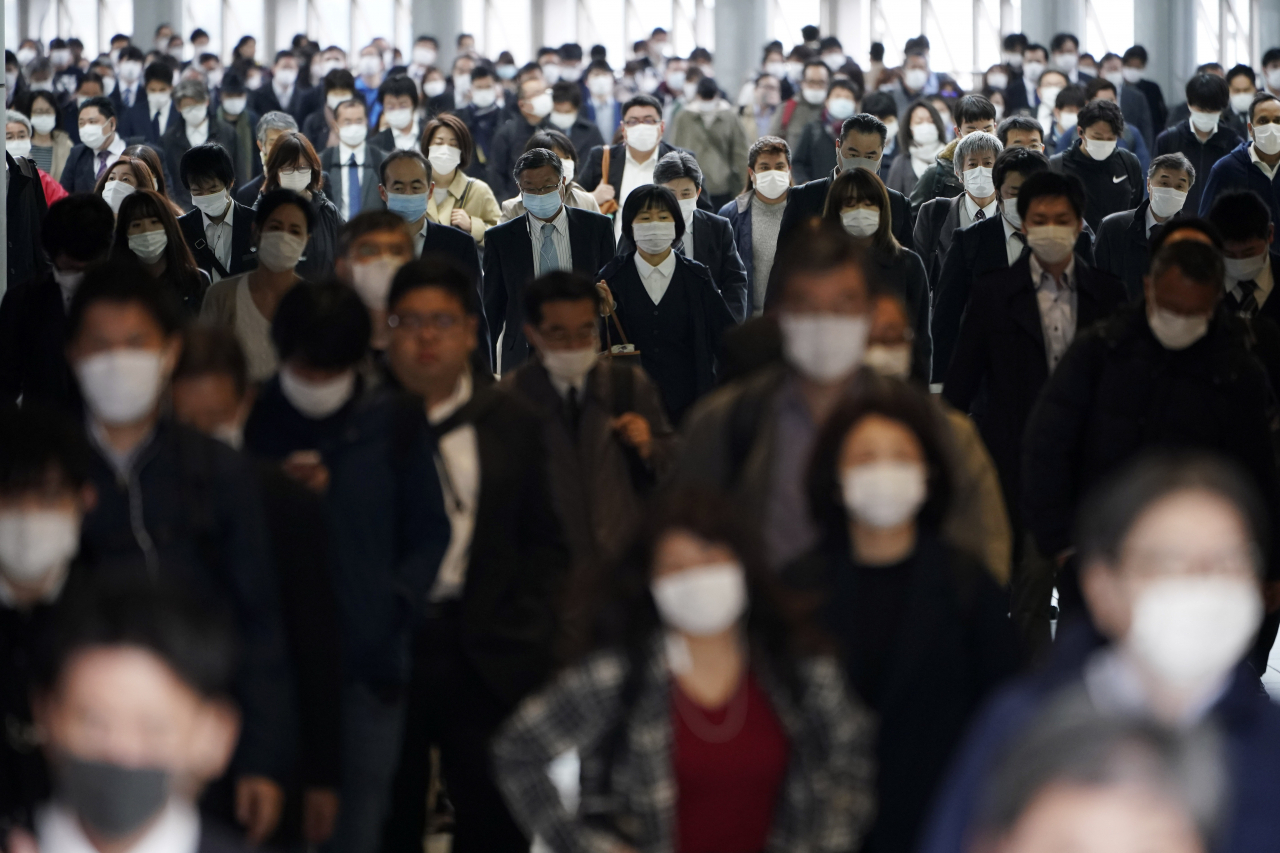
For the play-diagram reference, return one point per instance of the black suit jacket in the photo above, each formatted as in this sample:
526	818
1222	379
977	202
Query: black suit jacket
302	102
459	246
132	121
1123	248
243	258
386	140
509	268
80	173
248	193
1000	362
26	207
33	333
1155	100
175	144
808	200
936	223
370	177
589	176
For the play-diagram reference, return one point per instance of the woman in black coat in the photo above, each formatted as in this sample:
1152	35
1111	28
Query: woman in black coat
922	626
666	303
294	165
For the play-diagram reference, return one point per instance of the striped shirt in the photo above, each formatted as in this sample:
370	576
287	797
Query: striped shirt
560	236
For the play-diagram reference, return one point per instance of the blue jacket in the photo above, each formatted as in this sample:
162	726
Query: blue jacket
1249	722
1237	172
738	212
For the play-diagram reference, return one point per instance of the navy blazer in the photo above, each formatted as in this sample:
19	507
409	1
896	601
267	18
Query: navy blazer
509	268
302	102
80	174
132	121
1237	172
370	178
243	258
460	247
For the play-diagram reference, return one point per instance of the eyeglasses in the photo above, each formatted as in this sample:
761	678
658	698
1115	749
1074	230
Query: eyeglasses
414	323
632	122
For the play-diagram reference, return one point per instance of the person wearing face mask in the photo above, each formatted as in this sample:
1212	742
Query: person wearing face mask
816	153
458	199
482	116
16	89
941	179
1205	138
85	87
534	105
1112	176
666	304
795	114
1124	239
880	485
293	164
353	165
50	144
1172	555
608	439
76	232
286	93
568	116
574	194
194	126
147	229
1246	228
18	133
939	219
219	231
602	106
549	236
99	146
248	302
398	97
709	125
130	96
160	111
1132	139
919	140
321	127
233	111
1242	82
755	216
164	492
683	682
1255	162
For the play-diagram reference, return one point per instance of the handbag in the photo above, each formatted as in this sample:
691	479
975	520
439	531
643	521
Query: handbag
609	207
626	349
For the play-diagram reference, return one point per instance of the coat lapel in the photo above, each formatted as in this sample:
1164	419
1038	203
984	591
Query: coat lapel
579	247
1021	293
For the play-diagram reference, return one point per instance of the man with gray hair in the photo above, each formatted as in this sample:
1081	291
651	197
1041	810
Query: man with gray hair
548	237
1124	238
192	126
270	128
974	161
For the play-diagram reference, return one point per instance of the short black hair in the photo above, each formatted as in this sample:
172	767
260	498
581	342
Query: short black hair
158	72
646	196
1272	55
1242	70
102	104
560	286
283	54
1022	161
481	71
1051	185
567	92
676	165
843	83
209	160
403	154
354	101
536	158
863	122
973	108
1261	97
342	80
1096	85
1013	123
1101	111
232	84
643	101
1137	53
1208	92
268	203
38	445
121	279
552	139
1240	215
1197	261
80	226
213	350
132	52
324	325
398	85
1014	42
1060	41
881	105
438	271
1073	96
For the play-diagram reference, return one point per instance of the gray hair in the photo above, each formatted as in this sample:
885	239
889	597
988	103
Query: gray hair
191	88
974	143
677	165
274	120
1176	160
15	117
536	158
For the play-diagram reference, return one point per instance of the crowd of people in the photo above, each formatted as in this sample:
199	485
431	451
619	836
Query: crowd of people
580	454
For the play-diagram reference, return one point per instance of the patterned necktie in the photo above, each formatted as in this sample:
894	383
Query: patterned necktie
102	163
353	195
128	97
548	257
1247	304
980	215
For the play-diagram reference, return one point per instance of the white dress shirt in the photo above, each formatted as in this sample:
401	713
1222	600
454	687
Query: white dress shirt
1265	281
634	174
218	236
162	118
420	237
686	242
405	141
970	209
1269	171
198	134
560	236
283	95
344	163
657	279
176	830
458	463
1057	302
1014	242
1151	221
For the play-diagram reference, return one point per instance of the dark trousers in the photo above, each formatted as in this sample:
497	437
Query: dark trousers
451	708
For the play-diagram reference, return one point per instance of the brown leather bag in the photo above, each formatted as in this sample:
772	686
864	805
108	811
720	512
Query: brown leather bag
611	206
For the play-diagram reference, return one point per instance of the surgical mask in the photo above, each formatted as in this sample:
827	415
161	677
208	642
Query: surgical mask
43	123
1273	78
675	81
563	121
149	245
600	86
121	385
68	282
93	136
484	98
567	169
333	100
369	66
214	77
285	77
571	365
1052	244
1191	631
1132	75
61	57
541	105
915	78
795	71
424	56
1049	94
542	206
978	182
353	134
840	108
861	221
773	184
687	207
813	96
214	204
410	206
1176	331
400	119
1241	101
372	280
1068	121
1245	269
1032	71
10	79
234	106
653	237
834	61
279	251
25	55
433	88
130	71
1166	201
1266	137
551	73
824	347
42	85
1205	122
34	543
317	400
925	134
506	72
1115	78
1066	61
112	800
644	137
893	360
157	101
444	158
702	601
297	180
18	147
195	116
885	493
461	84
1100	149
1009	209
1013	60
997	80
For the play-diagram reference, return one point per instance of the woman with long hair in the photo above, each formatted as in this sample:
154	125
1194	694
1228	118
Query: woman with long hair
147	228
125	177
151	157
50	144
921	135
294	165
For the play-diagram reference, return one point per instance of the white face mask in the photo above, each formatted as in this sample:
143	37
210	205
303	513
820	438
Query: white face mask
1052	244
196	115
1245	269
1189	632
1132	75
702	601
1205	122
93	136
149	245
978	182
840	108
444	159
1166	201
353	135
1009	209
130	71
924	134
317	400
1265	136
600	86
643	137
653	237
824	347
814	96
1115	78
1068	120
433	88
1176	331
572	365
1032	70
121	386
1273	78
834	61
848	164
157	101
484	98
563	121
687	207
234	106
1241	101
567	167
461	84
279	251
1049	94
400	119
214	204
297	180
915	78
1100	149
285	77
884	494
332	100
25	55
35	543
997	80
18	147
1066	61
541	105
893	361
773	183
372	280
424	56
861	221
44	123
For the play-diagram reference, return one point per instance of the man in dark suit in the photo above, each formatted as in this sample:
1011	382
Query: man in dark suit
193	126
398	98
99	147
219	231
631	162
1135	67
286	92
160	111
550	236
1210	103
483	116
270	128
1247	232
353	166
130	95
486	639
568	117
534	104
26	207
939	218
1124	238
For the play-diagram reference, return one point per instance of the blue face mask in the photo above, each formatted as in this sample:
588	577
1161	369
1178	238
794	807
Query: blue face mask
542	206
410	207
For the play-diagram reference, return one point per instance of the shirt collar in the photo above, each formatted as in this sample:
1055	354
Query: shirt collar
562	387
1266	170
1068	275
345	154
971	206
662	270
1009	230
226	220
176	830
121	463
647	164
441	411
561	221
1151	220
